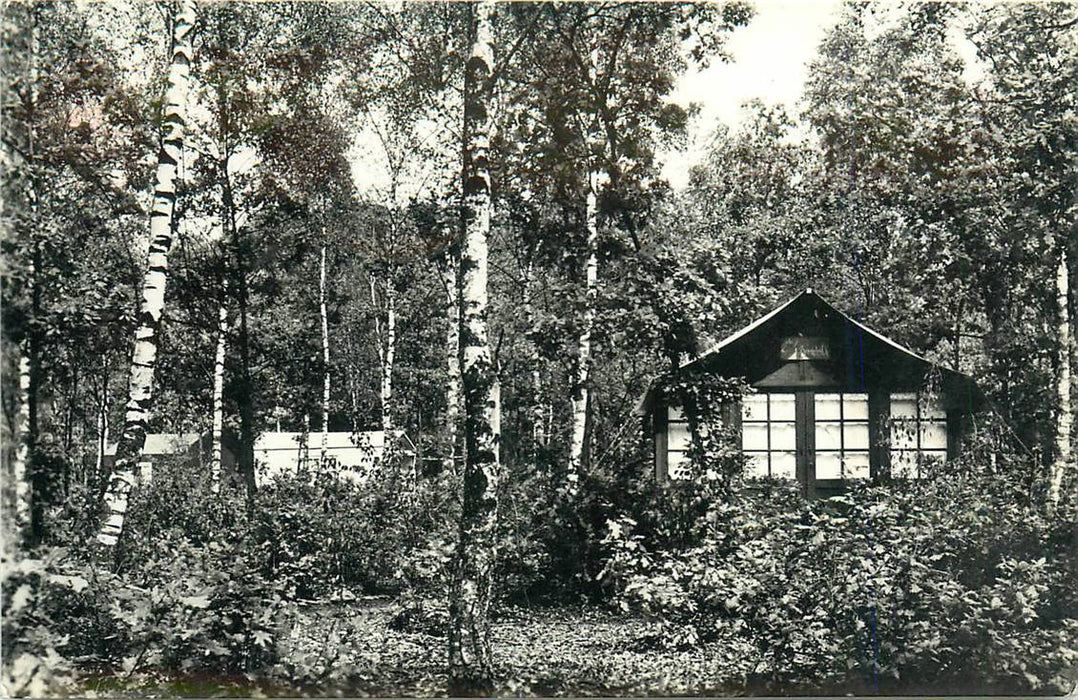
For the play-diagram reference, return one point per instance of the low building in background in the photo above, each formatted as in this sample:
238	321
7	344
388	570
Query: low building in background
352	455
193	448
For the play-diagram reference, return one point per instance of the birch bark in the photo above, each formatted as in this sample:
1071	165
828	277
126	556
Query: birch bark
219	391
144	358
470	657
389	359
1065	416
325	355
20	475
577	446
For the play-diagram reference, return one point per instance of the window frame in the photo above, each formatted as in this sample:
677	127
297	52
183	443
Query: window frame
842	421
768	422
918	421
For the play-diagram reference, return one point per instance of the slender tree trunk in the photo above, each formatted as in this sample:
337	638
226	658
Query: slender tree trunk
581	389
38	476
387	348
1065	416
144	358
325	355
389	359
20	201
470	657
452	358
245	386
219	390
102	423
531	318
20	473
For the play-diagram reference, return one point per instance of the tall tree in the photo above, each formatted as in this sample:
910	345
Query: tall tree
144	358
325	351
219	388
470	658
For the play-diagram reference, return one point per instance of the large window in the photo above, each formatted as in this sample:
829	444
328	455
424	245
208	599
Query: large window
679	442
769	435
918	434
841	431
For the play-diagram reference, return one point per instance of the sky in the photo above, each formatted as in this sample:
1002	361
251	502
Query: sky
769	61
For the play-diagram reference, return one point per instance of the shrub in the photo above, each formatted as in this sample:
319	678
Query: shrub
186	610
946	583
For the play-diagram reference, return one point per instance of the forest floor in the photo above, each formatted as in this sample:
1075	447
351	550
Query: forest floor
536	652
352	649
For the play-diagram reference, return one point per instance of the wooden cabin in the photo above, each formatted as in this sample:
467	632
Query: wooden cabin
831	400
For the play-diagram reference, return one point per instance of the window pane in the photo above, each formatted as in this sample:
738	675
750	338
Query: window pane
932	459
755	466
903	434
855	406
932	408
783	406
783	436
678	437
678	464
933	435
827	407
904	464
828	465
754	407
855	465
855	435
783	465
754	436
903	405
674	413
827	436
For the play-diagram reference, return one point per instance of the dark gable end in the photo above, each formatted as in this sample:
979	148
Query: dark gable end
858	356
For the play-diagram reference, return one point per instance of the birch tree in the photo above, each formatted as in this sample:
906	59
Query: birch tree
581	391
144	357
219	389
470	657
1065	413
325	350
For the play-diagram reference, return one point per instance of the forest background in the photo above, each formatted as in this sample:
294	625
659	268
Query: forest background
932	202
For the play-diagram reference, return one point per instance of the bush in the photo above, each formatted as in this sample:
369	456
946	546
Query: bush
942	584
188	610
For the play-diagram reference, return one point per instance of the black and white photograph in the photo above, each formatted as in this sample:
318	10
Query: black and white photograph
491	348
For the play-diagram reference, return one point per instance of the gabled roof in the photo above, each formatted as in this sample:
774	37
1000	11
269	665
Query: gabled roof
861	356
776	311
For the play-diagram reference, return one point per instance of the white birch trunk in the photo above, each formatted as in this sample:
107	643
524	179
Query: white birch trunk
144	358
388	359
325	357
20	474
219	392
1065	416
452	358
470	655
581	391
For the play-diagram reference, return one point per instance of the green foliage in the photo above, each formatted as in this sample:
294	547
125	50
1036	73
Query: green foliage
184	611
949	583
